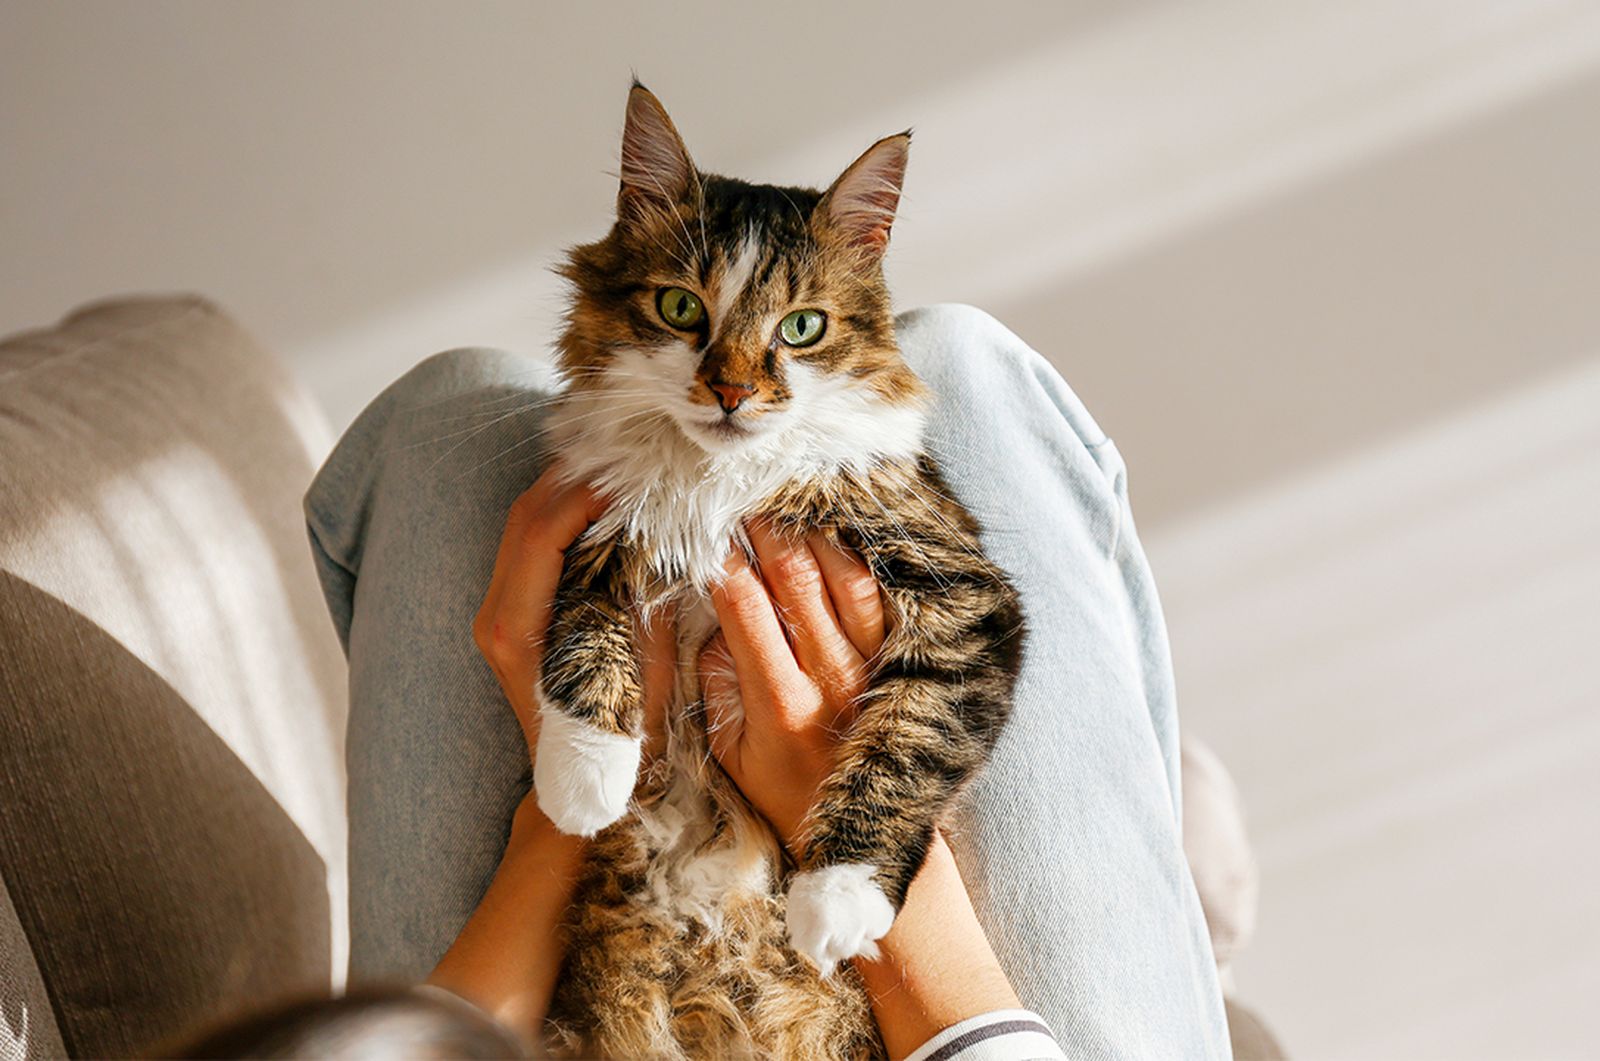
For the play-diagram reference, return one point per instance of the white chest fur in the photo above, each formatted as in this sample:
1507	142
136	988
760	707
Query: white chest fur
684	505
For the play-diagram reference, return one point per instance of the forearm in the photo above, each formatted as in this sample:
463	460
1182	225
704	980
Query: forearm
935	967
508	955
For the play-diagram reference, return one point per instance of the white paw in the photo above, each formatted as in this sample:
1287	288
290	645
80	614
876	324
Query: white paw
583	775
836	913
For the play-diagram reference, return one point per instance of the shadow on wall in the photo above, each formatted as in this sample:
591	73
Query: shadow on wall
1335	315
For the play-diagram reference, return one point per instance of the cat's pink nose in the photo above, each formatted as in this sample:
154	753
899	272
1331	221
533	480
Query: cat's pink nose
731	395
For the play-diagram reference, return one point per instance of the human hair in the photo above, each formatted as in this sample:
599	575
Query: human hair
371	1023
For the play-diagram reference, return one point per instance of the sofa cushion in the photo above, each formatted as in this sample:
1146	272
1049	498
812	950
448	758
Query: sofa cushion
171	692
27	1023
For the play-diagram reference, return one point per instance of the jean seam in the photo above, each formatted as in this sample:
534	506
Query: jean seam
1116	497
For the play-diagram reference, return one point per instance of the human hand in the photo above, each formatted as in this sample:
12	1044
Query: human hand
795	652
510	625
509	954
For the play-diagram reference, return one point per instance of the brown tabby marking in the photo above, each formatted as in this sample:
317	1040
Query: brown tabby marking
644	979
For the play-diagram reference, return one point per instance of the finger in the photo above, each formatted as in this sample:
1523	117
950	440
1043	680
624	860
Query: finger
512	621
536	546
755	638
857	600
719	689
658	659
794	579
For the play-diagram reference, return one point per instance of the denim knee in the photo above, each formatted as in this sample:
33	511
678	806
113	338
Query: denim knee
464	370
985	378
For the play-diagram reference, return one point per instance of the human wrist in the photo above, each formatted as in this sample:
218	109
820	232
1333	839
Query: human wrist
935	967
508	955
536	842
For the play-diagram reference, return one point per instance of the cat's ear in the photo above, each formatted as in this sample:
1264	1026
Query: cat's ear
656	169
859	207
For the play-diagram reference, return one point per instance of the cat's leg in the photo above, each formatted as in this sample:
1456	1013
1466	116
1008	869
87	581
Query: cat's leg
591	696
940	693
904	762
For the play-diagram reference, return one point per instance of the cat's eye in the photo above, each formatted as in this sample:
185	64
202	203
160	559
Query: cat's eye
680	308
802	327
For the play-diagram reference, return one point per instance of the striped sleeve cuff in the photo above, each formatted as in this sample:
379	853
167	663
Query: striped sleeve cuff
1004	1035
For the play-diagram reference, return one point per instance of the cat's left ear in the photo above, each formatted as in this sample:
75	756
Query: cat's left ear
860	205
656	169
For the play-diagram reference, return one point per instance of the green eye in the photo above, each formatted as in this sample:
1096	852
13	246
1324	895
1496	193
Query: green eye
802	327
679	308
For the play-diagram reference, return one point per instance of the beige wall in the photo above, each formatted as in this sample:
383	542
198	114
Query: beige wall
1328	273
1225	223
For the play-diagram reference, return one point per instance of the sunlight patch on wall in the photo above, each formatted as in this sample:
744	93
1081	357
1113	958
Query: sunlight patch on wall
1395	655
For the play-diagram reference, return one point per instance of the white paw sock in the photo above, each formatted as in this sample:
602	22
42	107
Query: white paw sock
836	913
583	775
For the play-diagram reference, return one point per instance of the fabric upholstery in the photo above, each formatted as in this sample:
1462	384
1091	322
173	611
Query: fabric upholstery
27	1025
1226	876
1219	852
171	692
1250	1038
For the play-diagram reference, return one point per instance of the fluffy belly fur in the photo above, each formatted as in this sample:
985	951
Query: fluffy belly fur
678	947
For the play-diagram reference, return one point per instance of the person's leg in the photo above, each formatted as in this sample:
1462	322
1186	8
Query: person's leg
1070	841
405	518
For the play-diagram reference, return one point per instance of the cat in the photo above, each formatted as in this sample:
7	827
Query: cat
729	352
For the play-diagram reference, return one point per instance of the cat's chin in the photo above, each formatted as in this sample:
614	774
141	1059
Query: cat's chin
723	437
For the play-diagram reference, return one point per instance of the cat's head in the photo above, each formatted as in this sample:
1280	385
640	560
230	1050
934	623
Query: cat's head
742	311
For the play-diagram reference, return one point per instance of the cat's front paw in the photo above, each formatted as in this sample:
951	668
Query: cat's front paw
583	775
837	913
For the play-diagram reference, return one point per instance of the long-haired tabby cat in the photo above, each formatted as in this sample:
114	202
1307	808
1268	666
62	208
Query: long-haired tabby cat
730	353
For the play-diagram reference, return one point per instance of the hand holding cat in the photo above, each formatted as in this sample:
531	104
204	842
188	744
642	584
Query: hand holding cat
794	649
510	625
782	677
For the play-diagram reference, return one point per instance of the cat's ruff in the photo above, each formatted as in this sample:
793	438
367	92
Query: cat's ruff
583	775
837	913
683	504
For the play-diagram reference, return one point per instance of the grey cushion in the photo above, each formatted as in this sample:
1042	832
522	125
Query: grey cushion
171	692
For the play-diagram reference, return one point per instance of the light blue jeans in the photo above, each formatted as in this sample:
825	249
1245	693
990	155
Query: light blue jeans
1069	842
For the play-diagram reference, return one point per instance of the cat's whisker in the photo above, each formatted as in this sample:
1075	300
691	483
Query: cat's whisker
490	460
419	406
547	399
469	434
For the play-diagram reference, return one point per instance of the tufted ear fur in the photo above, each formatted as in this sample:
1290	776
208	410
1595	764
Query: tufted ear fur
859	207
656	168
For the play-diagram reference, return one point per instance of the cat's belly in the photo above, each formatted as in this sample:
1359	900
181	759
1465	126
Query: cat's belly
678	945
648	977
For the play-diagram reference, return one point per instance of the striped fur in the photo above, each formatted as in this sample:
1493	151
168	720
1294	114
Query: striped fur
679	942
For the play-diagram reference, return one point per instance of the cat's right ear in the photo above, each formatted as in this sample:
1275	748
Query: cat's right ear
656	169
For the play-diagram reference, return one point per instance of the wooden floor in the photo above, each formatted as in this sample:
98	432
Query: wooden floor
1399	659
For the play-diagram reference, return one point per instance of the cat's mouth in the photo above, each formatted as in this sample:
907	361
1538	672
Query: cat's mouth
726	433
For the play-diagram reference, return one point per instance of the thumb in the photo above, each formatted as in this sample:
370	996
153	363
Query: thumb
719	688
